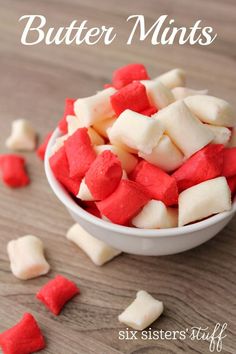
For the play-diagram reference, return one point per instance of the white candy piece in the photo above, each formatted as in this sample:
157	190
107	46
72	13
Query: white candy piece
123	146
211	110
84	192
159	95
23	136
59	142
165	155
97	250
180	93
184	129
203	200
95	138
222	134
142	312
95	108
232	141
155	215
136	131
74	123
128	161
27	258
173	78
103	126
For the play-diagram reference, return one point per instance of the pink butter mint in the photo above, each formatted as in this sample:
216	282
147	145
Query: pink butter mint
13	171
56	293
129	73
24	338
205	164
124	203
158	183
132	96
80	153
60	167
104	175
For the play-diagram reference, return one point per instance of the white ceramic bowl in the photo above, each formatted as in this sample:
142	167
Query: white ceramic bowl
138	241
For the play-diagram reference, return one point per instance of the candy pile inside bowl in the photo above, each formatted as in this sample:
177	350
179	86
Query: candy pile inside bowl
145	153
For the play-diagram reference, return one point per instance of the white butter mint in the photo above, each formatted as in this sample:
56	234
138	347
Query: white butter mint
27	257
84	193
102	126
128	161
212	110
74	123
203	200
143	311
165	155
182	92
23	136
222	134
173	78
136	131
155	215
184	129
94	108
97	250
59	142
159	95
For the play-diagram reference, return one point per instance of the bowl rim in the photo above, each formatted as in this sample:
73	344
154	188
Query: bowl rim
66	199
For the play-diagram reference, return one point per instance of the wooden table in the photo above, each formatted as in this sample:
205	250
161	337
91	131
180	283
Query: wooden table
197	287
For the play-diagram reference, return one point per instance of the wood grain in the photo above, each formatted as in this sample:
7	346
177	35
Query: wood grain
198	287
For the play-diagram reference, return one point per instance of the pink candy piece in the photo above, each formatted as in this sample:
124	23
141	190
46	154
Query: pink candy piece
104	175
127	74
56	293
80	153
60	167
149	111
229	165
158	183
124	203
24	338
205	164
42	148
69	111
132	96
91	208
13	171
